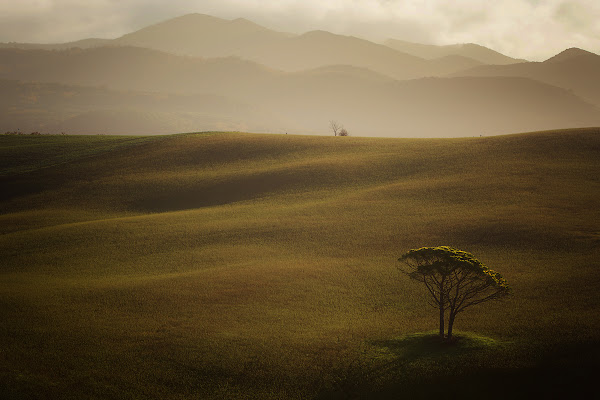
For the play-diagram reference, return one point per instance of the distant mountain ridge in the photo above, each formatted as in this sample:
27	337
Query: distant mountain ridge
206	36
570	54
279	82
573	69
474	51
367	103
202	36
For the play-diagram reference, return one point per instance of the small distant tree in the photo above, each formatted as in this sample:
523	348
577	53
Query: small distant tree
343	132
335	127
455	280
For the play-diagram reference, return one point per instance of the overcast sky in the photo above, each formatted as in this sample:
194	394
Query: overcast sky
531	29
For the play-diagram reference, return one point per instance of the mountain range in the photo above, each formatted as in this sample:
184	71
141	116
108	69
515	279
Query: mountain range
469	50
574	69
198	72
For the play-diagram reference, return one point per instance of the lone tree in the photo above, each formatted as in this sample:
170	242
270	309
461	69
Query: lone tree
335	127
455	280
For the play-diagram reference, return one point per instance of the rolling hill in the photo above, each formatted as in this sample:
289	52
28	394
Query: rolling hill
264	266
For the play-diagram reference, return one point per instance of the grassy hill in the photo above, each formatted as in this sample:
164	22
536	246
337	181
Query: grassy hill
232	265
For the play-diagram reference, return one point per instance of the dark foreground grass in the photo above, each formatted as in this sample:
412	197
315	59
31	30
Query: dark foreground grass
423	366
264	266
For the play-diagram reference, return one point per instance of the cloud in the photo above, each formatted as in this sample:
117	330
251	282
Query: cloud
532	29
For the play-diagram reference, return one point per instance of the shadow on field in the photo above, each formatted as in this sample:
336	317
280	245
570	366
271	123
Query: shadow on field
398	366
208	194
422	366
423	345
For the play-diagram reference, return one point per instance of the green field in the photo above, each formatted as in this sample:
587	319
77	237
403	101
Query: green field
233	265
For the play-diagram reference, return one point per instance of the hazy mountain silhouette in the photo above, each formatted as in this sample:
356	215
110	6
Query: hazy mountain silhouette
573	69
319	48
571	54
206	36
55	108
201	35
438	66
367	103
436	107
133	68
476	52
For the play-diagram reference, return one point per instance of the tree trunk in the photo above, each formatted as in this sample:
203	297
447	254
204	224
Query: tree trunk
442	321
442	309
441	317
450	324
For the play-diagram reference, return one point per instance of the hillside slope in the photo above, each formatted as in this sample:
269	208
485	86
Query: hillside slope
239	265
264	266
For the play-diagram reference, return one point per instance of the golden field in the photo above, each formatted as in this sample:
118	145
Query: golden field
235	265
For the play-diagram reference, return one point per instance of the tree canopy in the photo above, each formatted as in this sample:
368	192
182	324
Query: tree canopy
455	280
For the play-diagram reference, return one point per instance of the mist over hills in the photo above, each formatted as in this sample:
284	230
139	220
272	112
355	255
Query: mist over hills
238	75
133	68
573	69
55	108
230	92
82	44
206	36
201	35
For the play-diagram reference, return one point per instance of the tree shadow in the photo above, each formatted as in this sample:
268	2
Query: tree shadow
417	346
423	366
411	364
